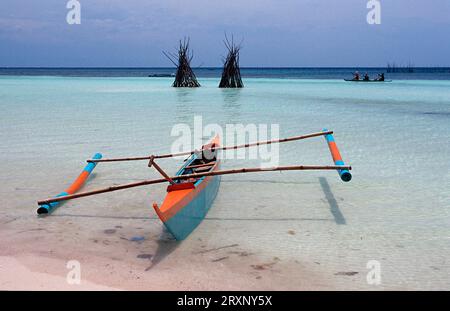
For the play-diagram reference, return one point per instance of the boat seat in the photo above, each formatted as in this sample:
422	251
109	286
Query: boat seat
201	165
202	169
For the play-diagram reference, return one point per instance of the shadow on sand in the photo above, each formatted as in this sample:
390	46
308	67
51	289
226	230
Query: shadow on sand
334	206
166	245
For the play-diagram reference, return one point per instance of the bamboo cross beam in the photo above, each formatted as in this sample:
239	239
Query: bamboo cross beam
170	155
160	170
195	175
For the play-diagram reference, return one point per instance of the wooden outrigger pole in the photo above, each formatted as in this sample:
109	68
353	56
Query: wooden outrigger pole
170	155
195	175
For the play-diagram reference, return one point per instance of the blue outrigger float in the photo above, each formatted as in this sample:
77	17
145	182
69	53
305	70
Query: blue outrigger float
191	192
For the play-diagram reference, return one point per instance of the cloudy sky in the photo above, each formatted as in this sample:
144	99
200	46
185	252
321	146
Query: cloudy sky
274	32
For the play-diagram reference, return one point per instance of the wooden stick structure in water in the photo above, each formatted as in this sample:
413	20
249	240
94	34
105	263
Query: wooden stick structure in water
170	155
231	74
195	175
185	76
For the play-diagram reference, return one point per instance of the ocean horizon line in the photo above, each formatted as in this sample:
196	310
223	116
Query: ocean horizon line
220	67
396	73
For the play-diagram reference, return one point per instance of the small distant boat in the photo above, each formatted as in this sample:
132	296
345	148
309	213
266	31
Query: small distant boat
161	75
352	80
191	192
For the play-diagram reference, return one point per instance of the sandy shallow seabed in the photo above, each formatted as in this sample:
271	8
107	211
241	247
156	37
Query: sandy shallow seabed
303	250
35	256
265	231
109	261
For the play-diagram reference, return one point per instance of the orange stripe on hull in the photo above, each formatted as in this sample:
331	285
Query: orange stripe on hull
176	200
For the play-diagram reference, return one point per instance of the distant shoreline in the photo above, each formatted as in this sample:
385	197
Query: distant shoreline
334	73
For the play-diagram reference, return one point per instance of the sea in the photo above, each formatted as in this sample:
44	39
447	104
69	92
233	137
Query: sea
394	215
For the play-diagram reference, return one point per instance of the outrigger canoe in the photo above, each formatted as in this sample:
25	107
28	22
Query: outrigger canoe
188	201
192	190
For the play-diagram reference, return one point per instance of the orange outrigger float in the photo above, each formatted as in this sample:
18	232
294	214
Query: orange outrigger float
191	192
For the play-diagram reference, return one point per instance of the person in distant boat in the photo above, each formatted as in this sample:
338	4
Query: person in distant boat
366	77
356	76
380	77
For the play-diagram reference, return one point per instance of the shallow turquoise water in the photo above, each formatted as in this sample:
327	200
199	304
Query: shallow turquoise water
395	135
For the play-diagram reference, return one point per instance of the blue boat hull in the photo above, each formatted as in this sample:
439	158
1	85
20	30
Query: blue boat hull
190	216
